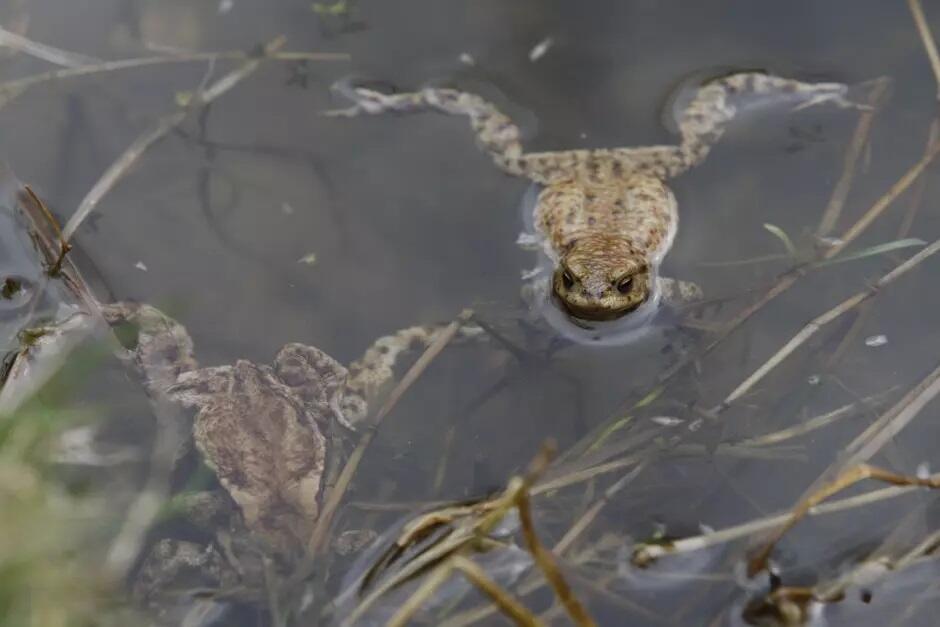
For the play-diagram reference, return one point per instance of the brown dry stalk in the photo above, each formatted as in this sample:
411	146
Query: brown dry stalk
648	553
884	202
546	562
859	140
930	47
428	587
500	598
845	480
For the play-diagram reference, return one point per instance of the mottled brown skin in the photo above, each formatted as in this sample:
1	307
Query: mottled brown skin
260	428
606	246
263	443
605	217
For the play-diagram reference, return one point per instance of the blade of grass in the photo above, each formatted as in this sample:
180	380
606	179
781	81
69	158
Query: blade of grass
872	251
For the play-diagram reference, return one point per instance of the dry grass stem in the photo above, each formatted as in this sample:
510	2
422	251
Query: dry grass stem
11	89
428	587
817	422
884	202
930	46
859	140
889	424
546	562
122	165
466	530
845	480
352	464
575	531
859	451
819	322
56	56
873	568
500	598
646	554
917	194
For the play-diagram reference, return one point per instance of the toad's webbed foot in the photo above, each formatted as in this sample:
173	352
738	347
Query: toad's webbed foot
676	293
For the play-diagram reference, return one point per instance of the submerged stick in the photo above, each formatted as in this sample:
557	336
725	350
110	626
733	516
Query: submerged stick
44	52
120	167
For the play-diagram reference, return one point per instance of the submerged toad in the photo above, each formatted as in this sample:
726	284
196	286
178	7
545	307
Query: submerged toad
605	218
261	427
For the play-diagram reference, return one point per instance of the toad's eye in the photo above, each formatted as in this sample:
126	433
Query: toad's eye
567	279
624	285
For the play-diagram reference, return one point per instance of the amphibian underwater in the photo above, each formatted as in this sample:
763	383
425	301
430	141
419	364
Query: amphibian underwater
603	218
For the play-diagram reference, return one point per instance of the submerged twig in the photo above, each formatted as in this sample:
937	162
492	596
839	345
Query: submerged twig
13	88
44	52
163	126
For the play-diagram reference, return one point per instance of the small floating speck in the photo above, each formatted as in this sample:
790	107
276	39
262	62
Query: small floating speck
287	209
225	6
309	259
583	135
705	529
813	379
667	421
876	340
923	470
540	49
467	59
140	265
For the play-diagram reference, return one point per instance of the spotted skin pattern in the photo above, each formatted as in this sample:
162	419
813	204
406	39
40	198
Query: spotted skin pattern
606	217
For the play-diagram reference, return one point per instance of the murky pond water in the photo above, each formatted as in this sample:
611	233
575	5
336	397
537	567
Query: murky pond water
258	222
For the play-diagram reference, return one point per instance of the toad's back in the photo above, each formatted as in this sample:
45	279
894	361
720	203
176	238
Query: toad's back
640	210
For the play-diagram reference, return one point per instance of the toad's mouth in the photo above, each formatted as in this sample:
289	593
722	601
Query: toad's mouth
594	313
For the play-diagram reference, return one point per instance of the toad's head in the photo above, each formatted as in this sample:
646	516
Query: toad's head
602	277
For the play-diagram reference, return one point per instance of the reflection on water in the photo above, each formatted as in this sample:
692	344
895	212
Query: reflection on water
410	223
